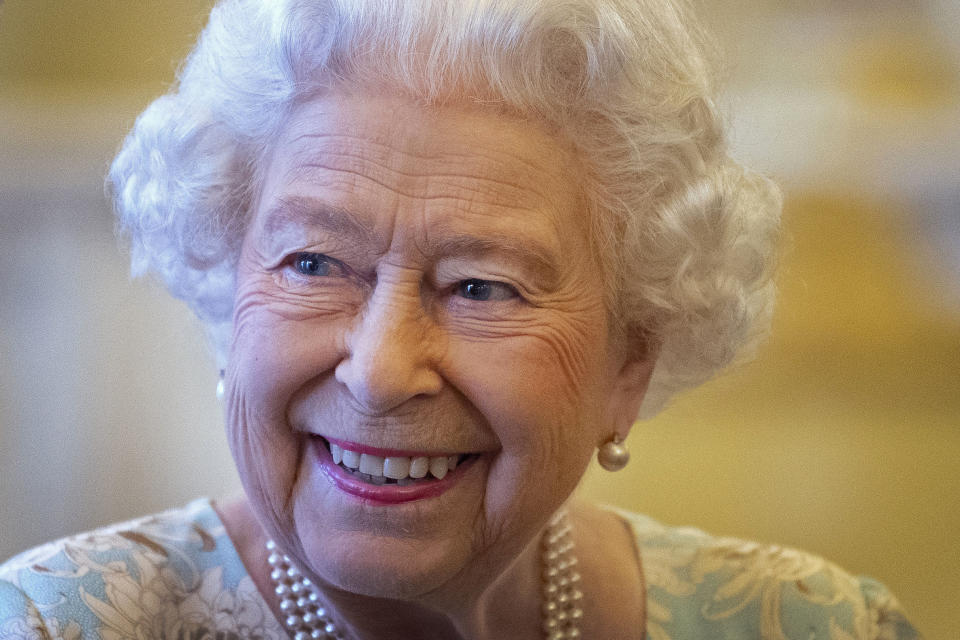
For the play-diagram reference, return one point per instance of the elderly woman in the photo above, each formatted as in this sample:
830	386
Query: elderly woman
445	250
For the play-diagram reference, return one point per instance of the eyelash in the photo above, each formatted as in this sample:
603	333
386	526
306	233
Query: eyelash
318	265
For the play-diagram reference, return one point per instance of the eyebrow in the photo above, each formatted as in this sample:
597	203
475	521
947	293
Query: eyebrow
314	212
541	258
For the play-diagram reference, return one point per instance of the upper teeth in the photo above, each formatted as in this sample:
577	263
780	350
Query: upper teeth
394	467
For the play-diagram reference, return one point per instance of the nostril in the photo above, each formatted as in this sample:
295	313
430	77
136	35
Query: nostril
382	381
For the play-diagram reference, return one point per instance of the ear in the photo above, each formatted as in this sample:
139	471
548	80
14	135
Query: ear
626	397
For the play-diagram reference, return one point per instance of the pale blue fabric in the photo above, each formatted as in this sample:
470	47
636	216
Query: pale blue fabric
701	586
171	576
177	576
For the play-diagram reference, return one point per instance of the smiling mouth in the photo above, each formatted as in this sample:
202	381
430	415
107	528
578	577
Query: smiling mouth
398	470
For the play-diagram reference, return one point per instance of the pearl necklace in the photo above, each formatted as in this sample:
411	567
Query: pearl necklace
307	619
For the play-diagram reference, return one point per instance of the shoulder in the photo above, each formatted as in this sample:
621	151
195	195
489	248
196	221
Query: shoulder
174	574
702	586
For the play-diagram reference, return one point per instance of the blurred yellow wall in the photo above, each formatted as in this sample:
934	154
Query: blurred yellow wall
842	437
100	45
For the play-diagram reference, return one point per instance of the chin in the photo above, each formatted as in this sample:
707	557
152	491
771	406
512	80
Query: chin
382	566
398	550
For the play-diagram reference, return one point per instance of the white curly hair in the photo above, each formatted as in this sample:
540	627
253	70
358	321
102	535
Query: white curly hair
686	234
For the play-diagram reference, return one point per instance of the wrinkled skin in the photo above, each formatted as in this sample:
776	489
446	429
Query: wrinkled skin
386	346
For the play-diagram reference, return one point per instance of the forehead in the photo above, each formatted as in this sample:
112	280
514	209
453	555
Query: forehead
366	156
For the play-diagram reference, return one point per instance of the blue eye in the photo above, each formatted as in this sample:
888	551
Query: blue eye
485	290
312	264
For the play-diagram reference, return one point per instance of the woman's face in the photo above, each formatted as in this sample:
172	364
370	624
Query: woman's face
417	283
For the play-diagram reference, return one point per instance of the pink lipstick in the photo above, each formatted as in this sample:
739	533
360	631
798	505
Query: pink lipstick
383	494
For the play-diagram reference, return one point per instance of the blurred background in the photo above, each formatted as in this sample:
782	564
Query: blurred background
842	437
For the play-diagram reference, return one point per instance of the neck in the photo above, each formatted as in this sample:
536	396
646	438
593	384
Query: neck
509	606
367	618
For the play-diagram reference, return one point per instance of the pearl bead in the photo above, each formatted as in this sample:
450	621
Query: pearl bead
613	456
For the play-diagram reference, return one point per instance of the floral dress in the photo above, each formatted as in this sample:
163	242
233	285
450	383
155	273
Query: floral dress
177	576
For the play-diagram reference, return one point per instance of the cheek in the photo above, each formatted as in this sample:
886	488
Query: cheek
278	345
538	421
540	393
273	354
547	373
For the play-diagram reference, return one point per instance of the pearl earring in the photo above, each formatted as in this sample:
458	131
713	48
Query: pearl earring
220	386
612	455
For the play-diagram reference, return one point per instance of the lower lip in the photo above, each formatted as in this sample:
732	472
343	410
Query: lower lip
387	494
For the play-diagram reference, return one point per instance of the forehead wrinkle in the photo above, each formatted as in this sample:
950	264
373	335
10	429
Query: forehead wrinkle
429	186
509	179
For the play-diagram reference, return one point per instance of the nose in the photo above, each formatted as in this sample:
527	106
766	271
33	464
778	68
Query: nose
392	350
